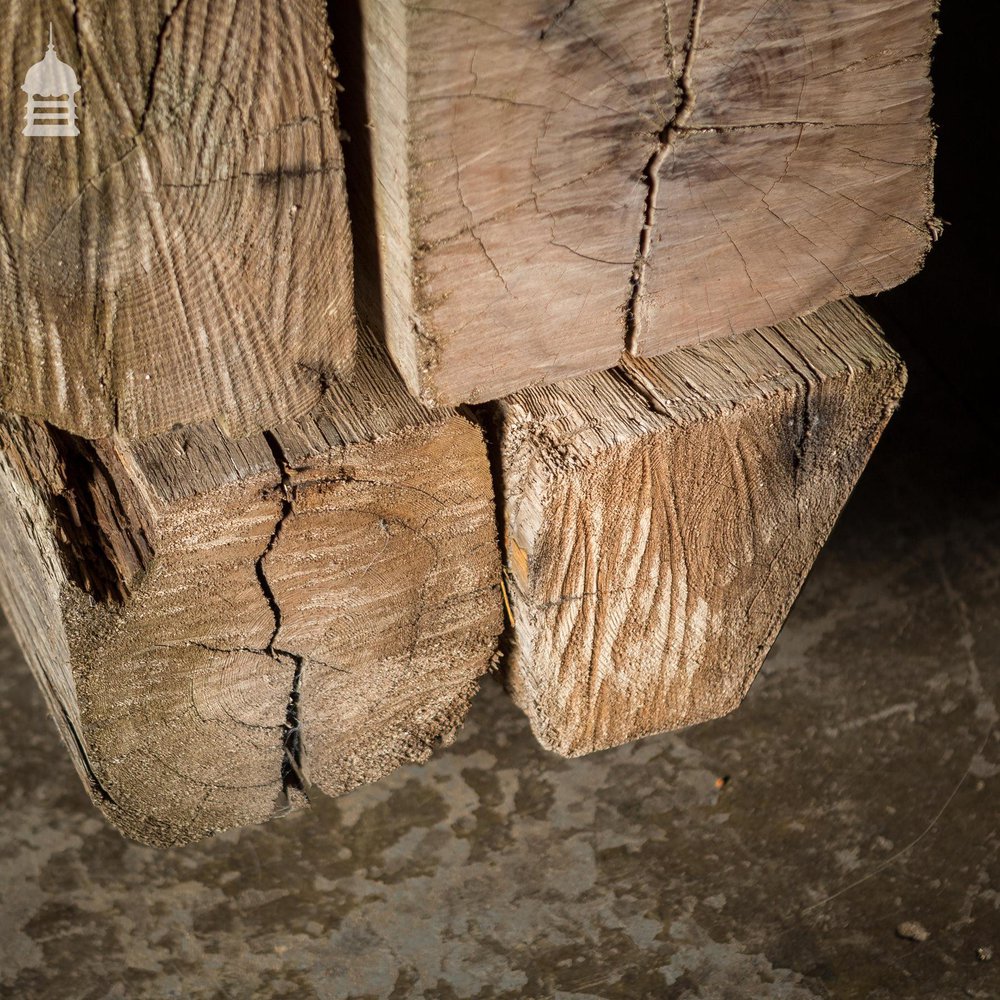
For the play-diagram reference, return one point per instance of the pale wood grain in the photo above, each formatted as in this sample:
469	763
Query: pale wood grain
553	182
187	257
801	172
660	518
224	626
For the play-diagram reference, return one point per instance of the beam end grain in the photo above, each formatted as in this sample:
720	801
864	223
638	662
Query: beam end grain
659	519
186	257
551	182
315	605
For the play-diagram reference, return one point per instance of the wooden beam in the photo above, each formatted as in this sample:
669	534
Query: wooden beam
187	256
221	625
660	518
553	182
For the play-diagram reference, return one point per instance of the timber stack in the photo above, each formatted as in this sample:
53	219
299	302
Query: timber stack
341	349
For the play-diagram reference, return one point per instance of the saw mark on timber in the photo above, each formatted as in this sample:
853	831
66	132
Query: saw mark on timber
651	178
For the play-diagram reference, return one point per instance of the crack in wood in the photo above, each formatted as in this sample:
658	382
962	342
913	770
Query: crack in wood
559	15
95	783
292	777
157	59
651	178
642	387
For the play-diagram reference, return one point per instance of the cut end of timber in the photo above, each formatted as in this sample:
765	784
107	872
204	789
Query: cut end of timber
187	257
309	608
659	519
386	576
549	188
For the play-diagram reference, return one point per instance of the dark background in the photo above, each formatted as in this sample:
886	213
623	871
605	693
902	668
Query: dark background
947	316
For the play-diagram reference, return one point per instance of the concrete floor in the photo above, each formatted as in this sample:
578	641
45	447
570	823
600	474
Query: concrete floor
863	791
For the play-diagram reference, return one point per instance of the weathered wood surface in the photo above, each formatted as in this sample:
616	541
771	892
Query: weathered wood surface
660	518
221	625
187	256
554	182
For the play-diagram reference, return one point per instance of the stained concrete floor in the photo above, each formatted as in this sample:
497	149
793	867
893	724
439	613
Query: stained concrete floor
863	791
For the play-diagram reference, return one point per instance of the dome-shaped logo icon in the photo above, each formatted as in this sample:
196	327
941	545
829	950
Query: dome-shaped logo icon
51	86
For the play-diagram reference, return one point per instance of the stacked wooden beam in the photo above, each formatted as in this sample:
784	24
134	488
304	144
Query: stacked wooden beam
222	624
246	559
138	284
661	517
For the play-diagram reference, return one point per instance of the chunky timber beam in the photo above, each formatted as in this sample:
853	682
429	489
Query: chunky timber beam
660	518
186	257
221	626
552	183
